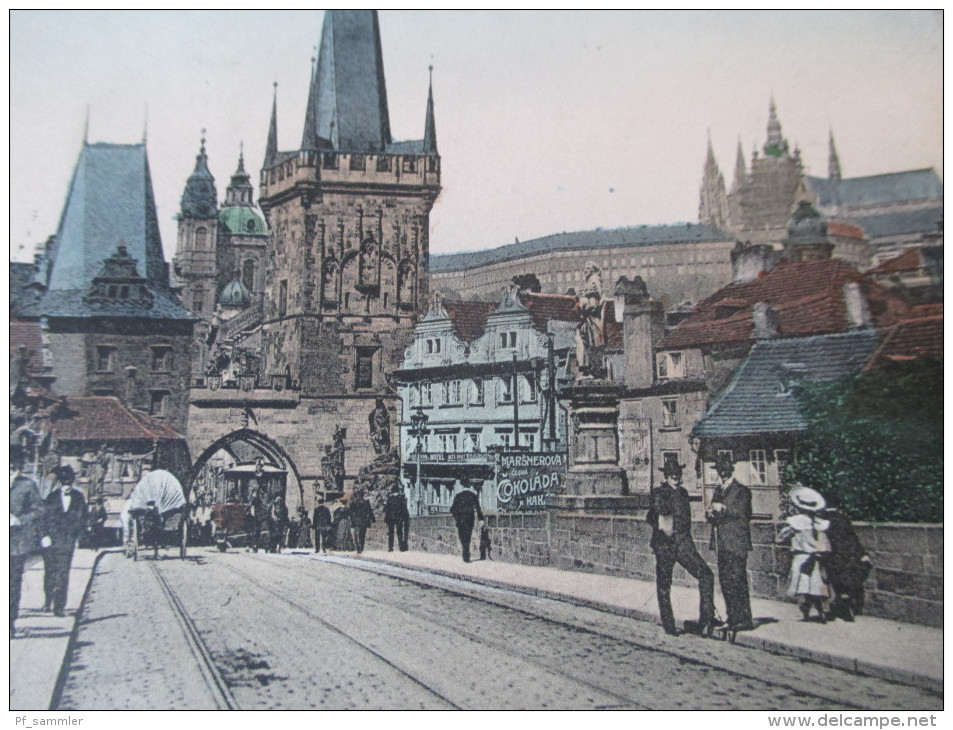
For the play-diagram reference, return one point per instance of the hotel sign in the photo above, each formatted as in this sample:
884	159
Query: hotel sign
524	481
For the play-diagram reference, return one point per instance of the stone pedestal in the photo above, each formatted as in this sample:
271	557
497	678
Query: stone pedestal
595	483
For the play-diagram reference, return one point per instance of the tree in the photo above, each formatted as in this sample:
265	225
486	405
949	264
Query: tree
528	282
874	443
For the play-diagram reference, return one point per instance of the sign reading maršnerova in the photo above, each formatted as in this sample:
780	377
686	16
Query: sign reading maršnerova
524	481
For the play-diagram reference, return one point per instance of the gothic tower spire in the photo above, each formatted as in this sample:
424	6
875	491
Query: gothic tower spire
430	127
776	145
833	163
713	204
741	170
347	102
271	148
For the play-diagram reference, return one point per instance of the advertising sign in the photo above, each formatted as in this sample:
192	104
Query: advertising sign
524	481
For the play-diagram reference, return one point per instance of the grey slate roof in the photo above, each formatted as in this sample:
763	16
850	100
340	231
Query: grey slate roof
71	303
110	200
752	402
873	189
347	104
925	220
21	274
633	236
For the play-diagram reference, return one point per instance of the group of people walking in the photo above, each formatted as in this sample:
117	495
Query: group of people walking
358	514
828	567
51	526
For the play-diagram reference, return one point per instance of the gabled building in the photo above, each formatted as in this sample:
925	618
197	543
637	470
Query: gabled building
757	418
110	323
486	380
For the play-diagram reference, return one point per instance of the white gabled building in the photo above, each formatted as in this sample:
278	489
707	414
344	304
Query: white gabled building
483	379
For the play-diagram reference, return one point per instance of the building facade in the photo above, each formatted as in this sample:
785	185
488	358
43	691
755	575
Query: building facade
480	382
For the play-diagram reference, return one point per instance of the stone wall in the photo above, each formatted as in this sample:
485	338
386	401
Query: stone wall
906	583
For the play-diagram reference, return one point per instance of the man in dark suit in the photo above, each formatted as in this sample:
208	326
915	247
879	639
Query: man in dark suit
64	520
26	509
397	518
730	516
321	521
464	506
362	517
671	519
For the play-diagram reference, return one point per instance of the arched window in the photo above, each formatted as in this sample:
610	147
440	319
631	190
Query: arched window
248	274
201	238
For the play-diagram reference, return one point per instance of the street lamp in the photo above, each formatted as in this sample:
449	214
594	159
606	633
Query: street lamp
419	422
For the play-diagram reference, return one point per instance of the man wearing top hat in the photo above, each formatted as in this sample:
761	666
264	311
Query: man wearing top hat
671	520
730	515
64	520
397	518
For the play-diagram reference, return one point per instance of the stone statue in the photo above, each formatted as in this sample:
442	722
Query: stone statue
379	423
590	335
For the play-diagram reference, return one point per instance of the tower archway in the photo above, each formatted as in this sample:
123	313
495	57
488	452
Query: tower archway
241	461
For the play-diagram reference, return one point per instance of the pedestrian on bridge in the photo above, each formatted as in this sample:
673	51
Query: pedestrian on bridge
322	526
465	505
671	519
362	517
26	509
63	523
397	518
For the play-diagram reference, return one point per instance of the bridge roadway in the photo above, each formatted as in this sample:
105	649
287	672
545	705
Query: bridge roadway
256	631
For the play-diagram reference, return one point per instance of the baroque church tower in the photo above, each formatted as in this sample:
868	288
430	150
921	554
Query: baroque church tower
349	215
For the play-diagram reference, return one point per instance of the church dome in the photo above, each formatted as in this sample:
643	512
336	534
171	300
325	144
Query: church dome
806	225
234	295
242	221
199	200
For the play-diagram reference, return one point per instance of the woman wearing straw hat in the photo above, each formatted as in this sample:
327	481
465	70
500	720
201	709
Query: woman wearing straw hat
807	532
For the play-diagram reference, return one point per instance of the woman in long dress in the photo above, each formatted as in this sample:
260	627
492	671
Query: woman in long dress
807	532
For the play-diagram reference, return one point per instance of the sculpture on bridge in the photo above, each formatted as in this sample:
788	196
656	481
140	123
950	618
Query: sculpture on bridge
590	335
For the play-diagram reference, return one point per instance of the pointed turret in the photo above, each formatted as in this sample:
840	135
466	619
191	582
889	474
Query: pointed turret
430	127
713	205
199	200
239	190
347	101
833	163
741	169
271	147
776	145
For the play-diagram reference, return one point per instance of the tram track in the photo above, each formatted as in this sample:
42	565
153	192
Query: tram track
425	579
217	686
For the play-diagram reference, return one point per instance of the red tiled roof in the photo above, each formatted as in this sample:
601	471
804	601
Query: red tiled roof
909	260
910	339
844	230
468	318
102	418
807	297
546	307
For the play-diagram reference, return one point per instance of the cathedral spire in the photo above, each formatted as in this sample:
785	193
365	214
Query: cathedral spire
347	101
833	163
741	170
199	200
271	148
430	127
713	203
776	145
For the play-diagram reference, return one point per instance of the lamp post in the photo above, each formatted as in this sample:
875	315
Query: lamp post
419	422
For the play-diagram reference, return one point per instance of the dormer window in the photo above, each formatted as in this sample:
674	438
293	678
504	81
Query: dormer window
507	340
670	365
433	345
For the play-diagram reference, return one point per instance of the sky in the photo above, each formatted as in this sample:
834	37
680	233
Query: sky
546	121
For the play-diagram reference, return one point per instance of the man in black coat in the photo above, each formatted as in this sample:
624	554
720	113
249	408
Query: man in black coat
730	516
321	521
397	518
362	517
847	564
64	521
26	510
465	505
671	519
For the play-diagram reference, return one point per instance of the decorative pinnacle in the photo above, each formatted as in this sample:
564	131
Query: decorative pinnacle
203	140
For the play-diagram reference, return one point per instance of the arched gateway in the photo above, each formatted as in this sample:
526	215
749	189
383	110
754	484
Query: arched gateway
240	463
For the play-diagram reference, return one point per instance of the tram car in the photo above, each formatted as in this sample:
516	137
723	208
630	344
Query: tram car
155	515
244	498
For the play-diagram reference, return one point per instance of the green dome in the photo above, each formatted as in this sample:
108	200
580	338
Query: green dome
242	221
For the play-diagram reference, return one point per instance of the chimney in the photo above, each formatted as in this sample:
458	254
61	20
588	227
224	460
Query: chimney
765	321
858	313
643	326
750	260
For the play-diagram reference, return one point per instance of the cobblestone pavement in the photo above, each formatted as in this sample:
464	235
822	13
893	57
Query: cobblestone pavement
298	632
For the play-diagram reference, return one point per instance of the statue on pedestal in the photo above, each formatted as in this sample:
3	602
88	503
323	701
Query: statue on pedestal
590	335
